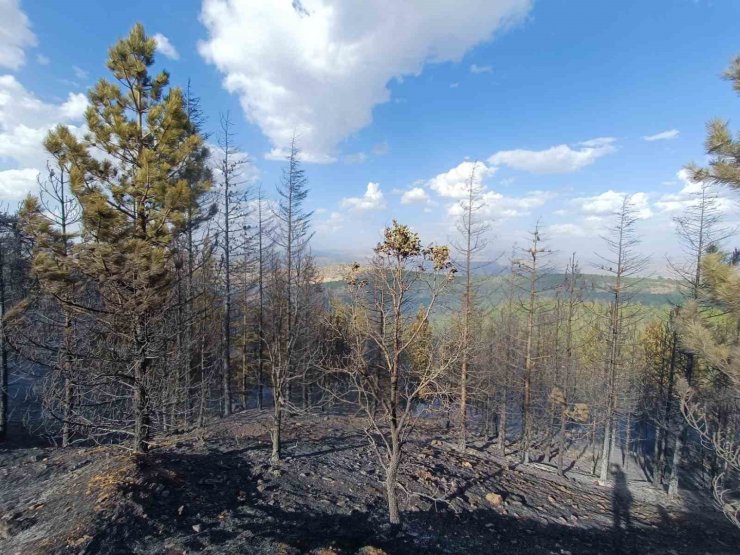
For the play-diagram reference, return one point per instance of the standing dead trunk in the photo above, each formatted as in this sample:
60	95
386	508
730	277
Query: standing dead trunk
68	400
502	425
561	441
658	456
391	480
275	432
606	446
3	353
678	448
627	442
141	416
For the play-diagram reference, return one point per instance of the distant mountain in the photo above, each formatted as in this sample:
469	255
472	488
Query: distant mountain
655	292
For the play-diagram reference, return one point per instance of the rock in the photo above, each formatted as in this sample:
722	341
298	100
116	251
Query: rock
495	499
196	528
370	550
180	509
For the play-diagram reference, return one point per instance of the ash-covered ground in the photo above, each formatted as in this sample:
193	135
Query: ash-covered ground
214	491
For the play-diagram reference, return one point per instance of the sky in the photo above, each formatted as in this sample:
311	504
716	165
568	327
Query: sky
562	106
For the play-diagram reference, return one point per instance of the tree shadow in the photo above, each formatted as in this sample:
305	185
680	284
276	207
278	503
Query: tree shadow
213	502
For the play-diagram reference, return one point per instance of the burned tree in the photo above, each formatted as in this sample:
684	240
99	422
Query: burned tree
382	319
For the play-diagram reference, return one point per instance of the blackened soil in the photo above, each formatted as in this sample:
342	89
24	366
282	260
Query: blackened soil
215	492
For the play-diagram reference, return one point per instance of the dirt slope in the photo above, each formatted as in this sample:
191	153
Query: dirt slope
216	494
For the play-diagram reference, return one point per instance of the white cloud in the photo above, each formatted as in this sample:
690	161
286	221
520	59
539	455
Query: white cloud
454	183
688	196
610	202
454	85
497	206
15	34
355	158
42	60
373	199
24	122
318	67
165	47
16	184
79	72
556	159
475	68
663	135
333	223
381	149
74	107
417	195
565	230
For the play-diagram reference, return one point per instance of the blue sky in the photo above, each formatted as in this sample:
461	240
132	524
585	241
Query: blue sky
394	101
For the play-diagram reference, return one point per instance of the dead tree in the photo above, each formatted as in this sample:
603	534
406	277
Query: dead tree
622	263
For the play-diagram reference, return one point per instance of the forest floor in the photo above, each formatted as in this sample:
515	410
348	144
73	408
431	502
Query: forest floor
213	491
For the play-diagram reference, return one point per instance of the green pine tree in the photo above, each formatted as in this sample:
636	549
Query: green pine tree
131	177
710	324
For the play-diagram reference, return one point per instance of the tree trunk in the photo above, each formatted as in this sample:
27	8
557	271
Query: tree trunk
657	456
141	416
627	442
276	428
68	400
391	480
502	426
676	464
561	442
606	448
3	354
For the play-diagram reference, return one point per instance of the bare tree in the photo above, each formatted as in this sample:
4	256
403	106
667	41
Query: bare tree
622	263
291	274
530	267
472	231
230	167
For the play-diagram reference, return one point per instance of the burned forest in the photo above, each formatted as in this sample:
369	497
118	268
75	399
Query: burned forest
184	368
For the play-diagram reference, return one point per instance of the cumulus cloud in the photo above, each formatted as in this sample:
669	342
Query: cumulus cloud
663	135
25	119
689	195
16	184
373	199
24	122
565	230
318	67
333	223
454	183
416	195
557	159
165	47
497	206
610	202
15	34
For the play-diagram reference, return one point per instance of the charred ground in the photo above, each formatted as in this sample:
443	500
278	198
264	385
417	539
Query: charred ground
213	491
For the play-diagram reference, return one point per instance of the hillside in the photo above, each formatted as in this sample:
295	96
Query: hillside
654	292
212	492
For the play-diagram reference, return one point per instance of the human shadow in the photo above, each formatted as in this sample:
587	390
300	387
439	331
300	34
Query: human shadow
621	506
